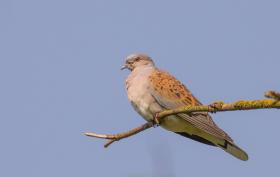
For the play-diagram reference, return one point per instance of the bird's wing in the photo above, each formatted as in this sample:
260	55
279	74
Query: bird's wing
171	93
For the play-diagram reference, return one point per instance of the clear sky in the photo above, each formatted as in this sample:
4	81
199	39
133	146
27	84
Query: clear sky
60	76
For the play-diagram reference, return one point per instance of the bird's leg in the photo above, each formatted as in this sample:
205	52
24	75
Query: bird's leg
156	120
216	106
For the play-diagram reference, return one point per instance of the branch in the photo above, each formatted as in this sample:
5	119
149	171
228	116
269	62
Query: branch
274	102
115	137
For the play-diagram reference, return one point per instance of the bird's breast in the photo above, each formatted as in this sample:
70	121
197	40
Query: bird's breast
137	86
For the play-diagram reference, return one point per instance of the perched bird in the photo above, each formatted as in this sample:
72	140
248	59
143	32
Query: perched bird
151	90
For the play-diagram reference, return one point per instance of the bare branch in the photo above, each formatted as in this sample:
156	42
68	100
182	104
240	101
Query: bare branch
215	107
115	137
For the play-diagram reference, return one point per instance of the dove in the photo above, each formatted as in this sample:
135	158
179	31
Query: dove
151	90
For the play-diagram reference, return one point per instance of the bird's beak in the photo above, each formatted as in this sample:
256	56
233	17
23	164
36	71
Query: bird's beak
124	67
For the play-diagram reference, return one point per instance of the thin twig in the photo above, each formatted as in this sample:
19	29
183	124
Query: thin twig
272	94
215	107
115	137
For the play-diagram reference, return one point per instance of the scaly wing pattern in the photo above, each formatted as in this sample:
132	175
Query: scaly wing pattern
171	93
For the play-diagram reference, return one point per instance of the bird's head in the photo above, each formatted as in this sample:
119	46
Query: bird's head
137	60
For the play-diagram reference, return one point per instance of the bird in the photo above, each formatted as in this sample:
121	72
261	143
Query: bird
152	90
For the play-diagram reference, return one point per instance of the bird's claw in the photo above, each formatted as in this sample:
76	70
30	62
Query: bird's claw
216	106
156	120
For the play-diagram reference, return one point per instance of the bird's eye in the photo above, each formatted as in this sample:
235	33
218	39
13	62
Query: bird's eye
137	59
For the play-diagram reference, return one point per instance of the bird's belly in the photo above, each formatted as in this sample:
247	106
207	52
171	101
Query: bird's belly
143	109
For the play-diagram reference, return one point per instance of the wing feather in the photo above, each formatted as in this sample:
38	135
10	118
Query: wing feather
171	93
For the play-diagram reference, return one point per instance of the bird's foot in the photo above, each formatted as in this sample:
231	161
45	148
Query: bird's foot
156	120
217	105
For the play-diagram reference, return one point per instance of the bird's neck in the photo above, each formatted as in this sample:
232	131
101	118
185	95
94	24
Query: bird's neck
143	68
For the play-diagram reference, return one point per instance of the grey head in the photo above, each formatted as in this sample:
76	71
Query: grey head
137	60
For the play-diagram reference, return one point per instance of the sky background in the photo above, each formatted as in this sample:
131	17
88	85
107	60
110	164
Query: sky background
60	77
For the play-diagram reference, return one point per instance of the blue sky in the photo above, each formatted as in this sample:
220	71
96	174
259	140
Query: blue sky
60	76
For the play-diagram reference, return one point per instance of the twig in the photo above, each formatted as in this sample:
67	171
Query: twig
215	107
273	95
115	137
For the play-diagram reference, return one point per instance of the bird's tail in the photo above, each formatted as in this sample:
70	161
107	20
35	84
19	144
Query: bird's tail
234	150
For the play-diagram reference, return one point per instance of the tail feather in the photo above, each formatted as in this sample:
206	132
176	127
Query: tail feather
234	150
